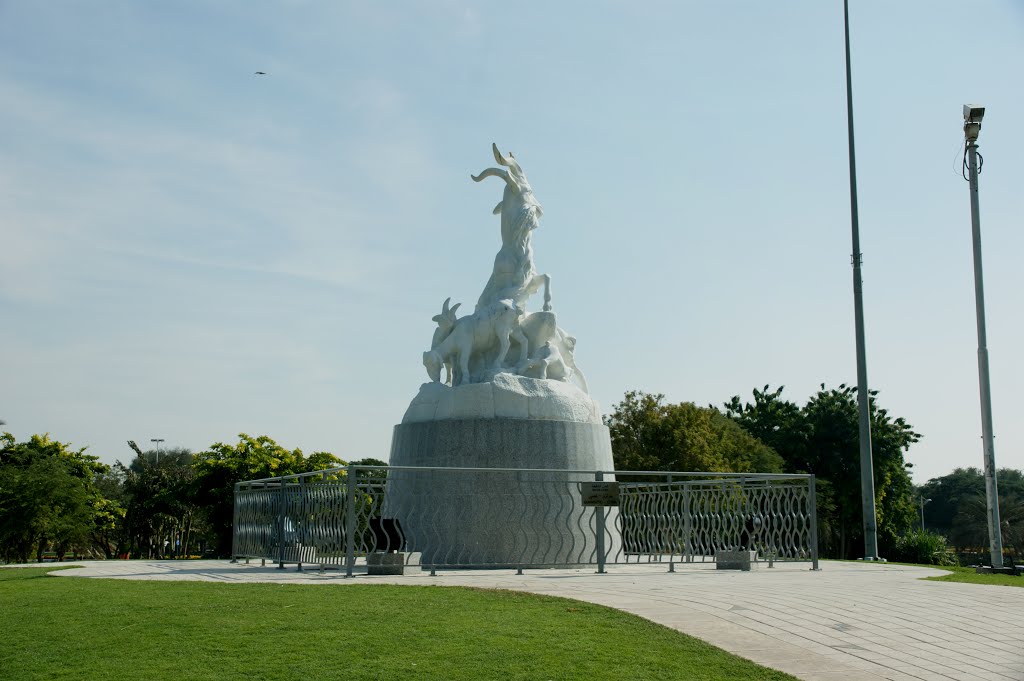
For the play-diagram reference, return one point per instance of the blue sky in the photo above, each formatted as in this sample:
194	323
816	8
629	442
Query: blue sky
190	251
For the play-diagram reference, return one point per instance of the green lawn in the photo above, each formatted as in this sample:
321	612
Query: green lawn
962	574
967	575
65	627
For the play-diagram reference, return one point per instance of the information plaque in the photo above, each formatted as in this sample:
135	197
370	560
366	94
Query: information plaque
600	493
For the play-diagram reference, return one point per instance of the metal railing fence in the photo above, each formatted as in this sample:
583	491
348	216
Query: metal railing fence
474	517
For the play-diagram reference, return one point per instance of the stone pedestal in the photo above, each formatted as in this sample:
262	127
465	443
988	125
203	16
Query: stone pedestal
503	443
521	518
735	560
379	563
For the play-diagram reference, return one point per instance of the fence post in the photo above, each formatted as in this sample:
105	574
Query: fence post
599	511
280	523
743	516
234	525
687	528
665	525
300	529
813	500
350	519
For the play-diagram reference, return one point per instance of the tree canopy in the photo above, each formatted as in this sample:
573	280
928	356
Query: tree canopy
822	438
222	465
649	434
957	508
158	491
54	497
49	496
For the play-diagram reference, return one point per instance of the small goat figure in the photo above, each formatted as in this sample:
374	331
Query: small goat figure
445	323
476	333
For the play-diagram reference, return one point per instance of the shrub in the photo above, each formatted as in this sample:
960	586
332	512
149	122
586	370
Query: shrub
923	547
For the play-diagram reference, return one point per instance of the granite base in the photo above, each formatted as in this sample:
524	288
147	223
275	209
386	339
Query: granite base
523	518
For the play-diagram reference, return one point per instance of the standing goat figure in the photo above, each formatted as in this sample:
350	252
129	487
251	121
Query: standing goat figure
514	276
445	323
476	333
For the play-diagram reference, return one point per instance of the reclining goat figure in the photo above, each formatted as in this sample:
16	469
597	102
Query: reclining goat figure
476	333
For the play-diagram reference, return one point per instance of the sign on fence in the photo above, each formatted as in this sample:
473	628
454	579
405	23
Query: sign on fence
600	493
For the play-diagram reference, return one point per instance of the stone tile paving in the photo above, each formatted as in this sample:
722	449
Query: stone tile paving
848	621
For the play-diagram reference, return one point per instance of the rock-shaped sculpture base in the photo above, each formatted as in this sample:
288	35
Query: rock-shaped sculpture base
499	519
504	396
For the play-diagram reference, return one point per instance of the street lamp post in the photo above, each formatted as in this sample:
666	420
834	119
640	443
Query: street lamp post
972	126
157	440
923	502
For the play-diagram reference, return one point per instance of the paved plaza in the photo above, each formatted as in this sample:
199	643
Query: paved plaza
848	621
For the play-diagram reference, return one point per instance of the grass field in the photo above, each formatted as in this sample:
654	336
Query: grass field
64	628
963	574
967	575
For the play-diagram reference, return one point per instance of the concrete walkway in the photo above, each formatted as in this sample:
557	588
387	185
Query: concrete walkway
848	621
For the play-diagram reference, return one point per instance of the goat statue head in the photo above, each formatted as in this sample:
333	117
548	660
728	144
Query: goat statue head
517	187
445	323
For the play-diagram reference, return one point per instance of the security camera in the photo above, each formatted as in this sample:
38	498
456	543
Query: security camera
973	113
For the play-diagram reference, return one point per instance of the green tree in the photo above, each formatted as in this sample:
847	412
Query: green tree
970	525
219	468
957	507
49	498
822	438
368	461
777	422
946	493
109	534
649	435
159	498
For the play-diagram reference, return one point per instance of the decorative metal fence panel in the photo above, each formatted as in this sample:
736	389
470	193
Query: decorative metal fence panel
694	518
466	517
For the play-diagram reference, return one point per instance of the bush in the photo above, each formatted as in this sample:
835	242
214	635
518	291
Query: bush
923	547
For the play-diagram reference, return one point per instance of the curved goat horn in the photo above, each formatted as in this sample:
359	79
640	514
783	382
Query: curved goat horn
444	308
491	172
497	155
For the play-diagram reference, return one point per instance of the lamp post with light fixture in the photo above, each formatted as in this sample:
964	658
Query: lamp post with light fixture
973	115
923	502
157	440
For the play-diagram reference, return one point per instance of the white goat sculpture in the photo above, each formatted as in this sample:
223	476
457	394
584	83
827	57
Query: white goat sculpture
445	323
477	333
514	276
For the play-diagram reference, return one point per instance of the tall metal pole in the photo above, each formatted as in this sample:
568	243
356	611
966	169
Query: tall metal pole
867	476
157	440
971	129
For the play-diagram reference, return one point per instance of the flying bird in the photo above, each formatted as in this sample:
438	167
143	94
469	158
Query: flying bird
260	73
